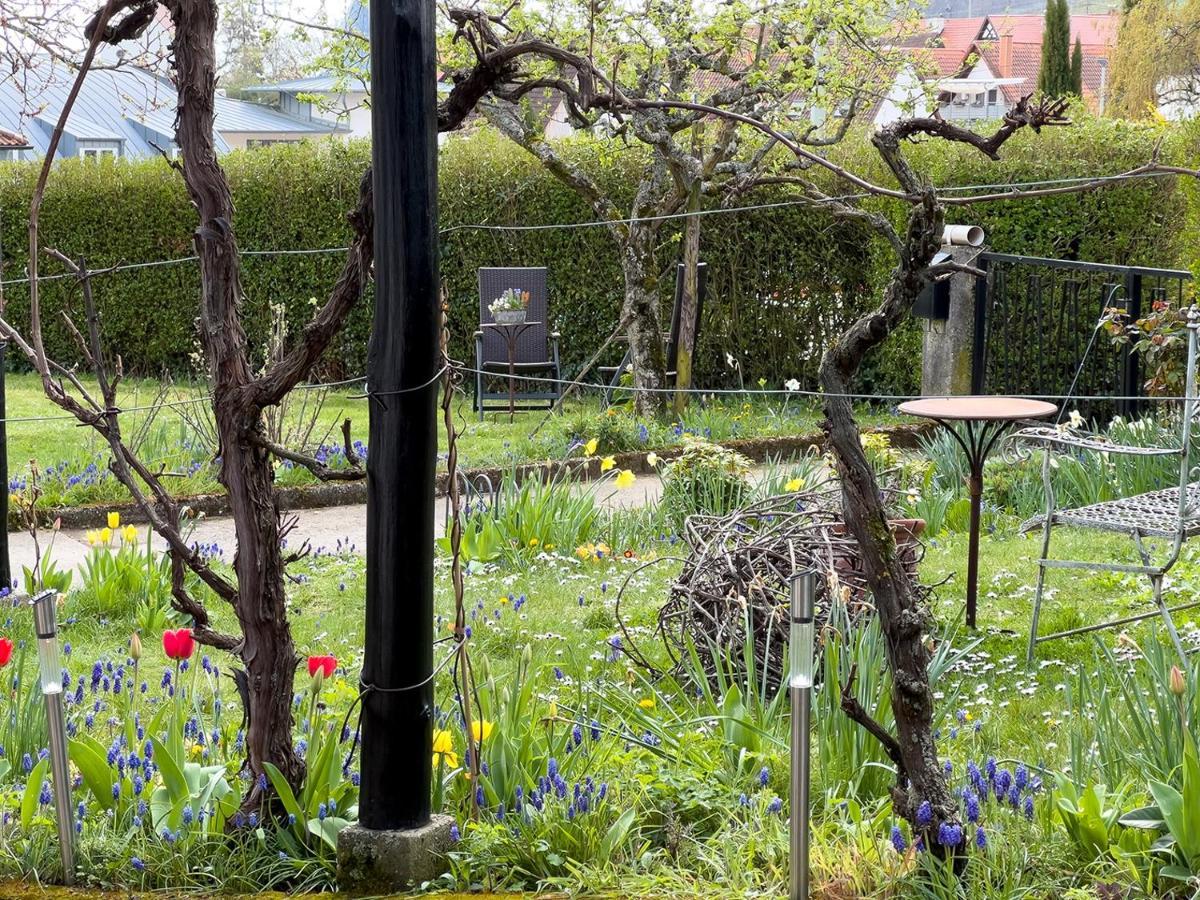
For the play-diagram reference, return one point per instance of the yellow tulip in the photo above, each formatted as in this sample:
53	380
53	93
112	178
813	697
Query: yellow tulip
794	485
93	537
114	520
481	730
443	748
625	479
589	448
129	534
607	463
105	535
533	542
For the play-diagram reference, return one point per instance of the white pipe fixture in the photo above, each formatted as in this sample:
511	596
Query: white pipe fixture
963	235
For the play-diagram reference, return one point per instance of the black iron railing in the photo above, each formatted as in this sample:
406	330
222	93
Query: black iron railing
1036	329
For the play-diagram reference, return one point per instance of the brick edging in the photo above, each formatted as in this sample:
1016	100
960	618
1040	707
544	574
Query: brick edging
349	493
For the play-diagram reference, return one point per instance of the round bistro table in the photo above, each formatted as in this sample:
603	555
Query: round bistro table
511	331
981	421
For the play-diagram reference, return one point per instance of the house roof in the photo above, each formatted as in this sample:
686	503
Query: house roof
960	34
129	105
1026	63
10	140
313	84
1092	31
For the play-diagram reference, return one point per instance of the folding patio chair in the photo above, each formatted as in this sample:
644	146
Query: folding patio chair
1172	514
536	347
613	373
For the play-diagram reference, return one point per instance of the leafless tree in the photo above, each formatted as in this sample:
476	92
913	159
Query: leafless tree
239	397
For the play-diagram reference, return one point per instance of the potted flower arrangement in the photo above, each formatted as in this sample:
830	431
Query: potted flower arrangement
510	307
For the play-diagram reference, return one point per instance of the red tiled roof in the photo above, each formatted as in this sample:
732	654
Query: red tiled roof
1027	61
1092	31
10	140
960	34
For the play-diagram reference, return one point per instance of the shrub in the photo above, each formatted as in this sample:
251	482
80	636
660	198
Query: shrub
781	281
705	478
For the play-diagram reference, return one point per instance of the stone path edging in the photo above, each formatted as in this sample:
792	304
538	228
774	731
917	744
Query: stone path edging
345	494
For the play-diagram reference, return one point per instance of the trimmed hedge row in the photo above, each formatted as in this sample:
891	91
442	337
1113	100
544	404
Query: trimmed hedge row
781	281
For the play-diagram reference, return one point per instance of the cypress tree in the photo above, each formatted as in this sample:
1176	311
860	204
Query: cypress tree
1054	76
1077	68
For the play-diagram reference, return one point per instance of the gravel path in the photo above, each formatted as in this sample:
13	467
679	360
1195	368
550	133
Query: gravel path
322	528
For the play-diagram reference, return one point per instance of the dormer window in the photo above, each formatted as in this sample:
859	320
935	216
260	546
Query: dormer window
94	149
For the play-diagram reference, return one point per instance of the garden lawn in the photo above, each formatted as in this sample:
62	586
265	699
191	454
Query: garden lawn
551	624
170	426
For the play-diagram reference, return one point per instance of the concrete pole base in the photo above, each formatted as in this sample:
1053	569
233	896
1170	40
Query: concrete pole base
374	863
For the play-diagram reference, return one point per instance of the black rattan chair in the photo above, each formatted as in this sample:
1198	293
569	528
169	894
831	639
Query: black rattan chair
536	347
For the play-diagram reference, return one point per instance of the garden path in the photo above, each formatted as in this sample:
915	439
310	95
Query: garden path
328	529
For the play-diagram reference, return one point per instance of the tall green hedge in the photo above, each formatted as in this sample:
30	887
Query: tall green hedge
781	281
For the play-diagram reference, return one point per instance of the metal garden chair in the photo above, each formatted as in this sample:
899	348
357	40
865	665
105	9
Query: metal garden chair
1172	514
612	374
536	348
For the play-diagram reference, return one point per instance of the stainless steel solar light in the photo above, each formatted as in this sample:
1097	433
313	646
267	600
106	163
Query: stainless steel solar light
46	629
800	683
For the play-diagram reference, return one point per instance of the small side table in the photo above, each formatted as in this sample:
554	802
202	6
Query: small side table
511	332
983	420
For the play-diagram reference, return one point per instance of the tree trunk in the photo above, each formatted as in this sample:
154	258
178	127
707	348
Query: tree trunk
246	470
686	343
901	613
645	326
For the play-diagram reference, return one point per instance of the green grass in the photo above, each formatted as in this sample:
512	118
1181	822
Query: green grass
177	439
569	616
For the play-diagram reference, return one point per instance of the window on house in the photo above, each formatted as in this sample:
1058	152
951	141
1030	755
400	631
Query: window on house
265	142
977	99
993	95
97	152
960	100
9	154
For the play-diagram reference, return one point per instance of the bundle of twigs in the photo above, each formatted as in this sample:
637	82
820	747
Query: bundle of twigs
729	605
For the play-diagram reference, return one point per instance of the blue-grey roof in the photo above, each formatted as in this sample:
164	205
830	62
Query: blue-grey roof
126	105
314	84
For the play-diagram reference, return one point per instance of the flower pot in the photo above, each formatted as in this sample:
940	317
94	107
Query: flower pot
509	316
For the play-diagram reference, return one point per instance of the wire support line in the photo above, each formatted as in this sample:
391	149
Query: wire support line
799	392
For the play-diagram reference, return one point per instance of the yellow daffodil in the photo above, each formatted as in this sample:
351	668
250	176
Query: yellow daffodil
481	730
105	535
504	599
652	459
647	703
583	551
443	748
129	534
607	463
794	485
533	542
549	547
589	448
114	520
93	538
625	479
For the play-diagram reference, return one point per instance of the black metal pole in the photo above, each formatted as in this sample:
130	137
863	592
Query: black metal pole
403	354
5	564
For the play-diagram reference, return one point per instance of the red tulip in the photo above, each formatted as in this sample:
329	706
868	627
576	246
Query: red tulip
178	644
6	648
323	664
